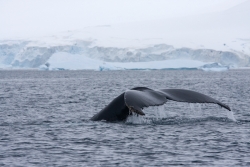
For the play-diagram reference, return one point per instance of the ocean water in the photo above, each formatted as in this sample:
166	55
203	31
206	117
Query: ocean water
44	120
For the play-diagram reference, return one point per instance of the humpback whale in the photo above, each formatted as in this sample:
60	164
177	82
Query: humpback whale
134	100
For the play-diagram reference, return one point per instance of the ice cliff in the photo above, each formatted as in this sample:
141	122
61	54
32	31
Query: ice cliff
220	36
24	54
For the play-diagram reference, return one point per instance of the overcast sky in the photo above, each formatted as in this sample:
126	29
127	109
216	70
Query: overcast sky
20	18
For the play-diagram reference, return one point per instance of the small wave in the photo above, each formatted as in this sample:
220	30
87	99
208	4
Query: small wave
185	120
25	123
69	102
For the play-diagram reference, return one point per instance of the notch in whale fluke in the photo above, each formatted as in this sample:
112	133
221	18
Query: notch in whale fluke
136	99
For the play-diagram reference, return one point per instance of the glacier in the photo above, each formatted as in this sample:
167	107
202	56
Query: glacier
82	55
22	54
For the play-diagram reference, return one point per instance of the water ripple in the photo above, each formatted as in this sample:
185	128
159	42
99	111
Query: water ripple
45	120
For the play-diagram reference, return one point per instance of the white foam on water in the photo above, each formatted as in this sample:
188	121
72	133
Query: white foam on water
134	119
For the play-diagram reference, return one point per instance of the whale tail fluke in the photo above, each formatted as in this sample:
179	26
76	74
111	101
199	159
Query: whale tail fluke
134	100
137	99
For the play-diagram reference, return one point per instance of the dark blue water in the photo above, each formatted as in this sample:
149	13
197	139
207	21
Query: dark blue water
44	120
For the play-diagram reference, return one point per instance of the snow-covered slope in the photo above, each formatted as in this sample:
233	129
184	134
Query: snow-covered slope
28	18
220	36
224	31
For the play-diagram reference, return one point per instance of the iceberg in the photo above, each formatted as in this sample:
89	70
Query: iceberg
63	60
214	67
32	55
67	61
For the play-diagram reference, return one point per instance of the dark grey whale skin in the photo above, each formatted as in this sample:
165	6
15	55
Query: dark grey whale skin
136	99
114	111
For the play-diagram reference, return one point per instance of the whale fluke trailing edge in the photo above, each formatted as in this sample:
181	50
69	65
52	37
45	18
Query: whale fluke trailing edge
134	100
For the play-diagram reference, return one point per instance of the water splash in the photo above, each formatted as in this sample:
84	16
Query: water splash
159	115
230	115
195	109
160	112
